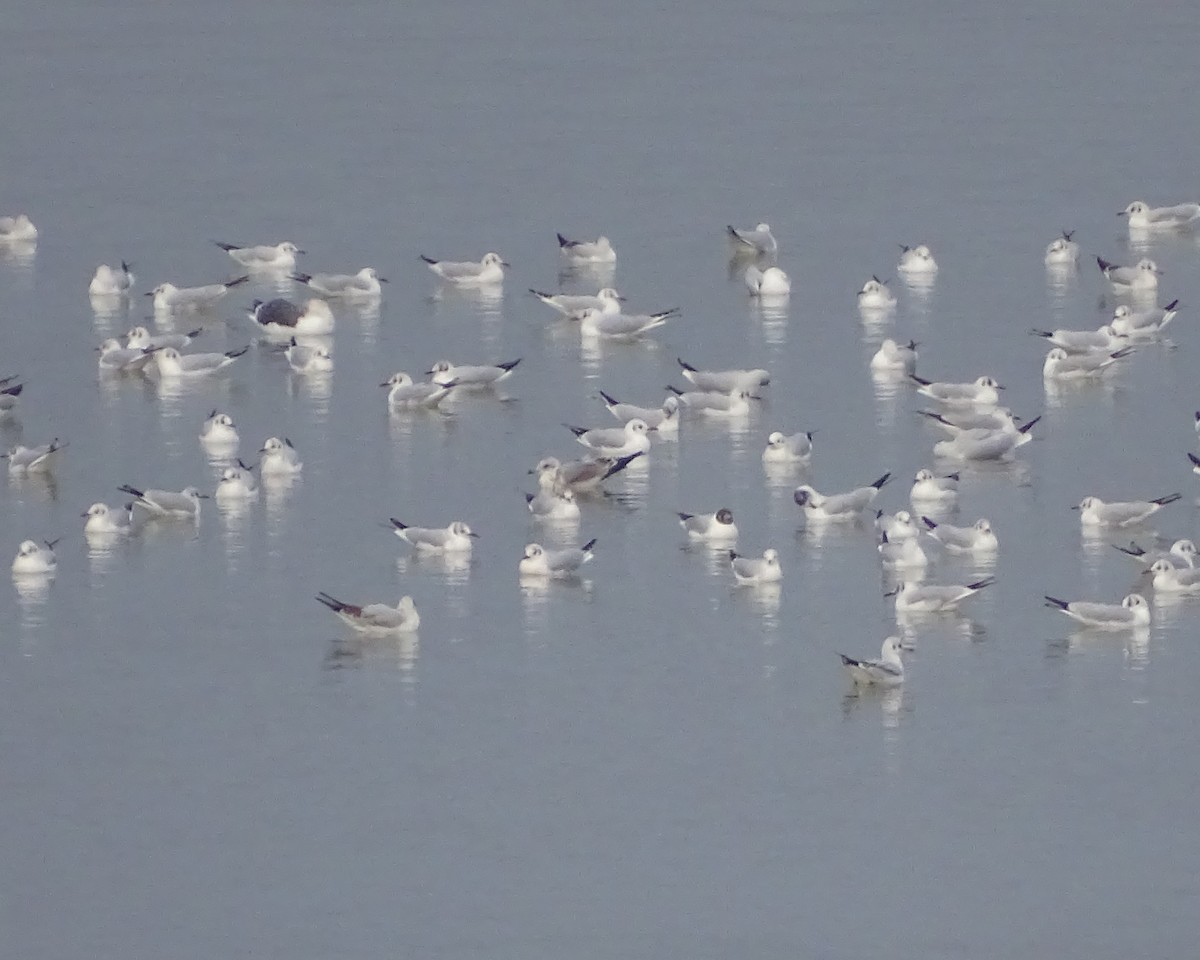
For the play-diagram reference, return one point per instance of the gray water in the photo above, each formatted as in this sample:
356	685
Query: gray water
198	761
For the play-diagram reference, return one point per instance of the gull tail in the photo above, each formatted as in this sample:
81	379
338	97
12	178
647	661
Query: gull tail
980	584
234	354
690	369
429	260
919	380
398	525
563	242
132	491
1104	265
929	523
849	661
621	463
1133	550
1026	427
587	547
578	431
610	401
510	365
878	484
1046	334
224	246
1056	603
236	281
335	605
301	277
1169	498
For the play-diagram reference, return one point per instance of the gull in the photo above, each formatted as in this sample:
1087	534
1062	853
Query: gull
237	483
614	441
756	241
916	260
376	617
581	475
896	526
936	598
552	504
724	381
1195	462
39	459
664	419
303	358
837	507
928	488
403	393
18	229
35	558
756	570
139	338
110	282
977	538
1169	578
959	421
489	270
783	448
167	503
282	318
172	364
1141	276
606	301
710	526
170	298
887	671
1132	612
9	395
364	285
102	520
1084	341
538	562
902	553
1143	324
1060	365
896	357
1184	550
771	282
455	538
1062	251
713	404
875	295
980	392
115	358
279	256
279	457
983	444
218	430
587	251
446	373
1141	217
1094	512
620	326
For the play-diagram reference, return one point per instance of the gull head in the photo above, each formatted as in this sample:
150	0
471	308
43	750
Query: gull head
725	516
494	260
1135	209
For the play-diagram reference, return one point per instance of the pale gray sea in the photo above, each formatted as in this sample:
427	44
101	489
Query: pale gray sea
199	761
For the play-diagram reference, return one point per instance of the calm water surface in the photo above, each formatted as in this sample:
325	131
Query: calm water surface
198	762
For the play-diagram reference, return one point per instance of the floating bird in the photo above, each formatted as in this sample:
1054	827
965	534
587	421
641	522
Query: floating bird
1131	612
540	563
490	270
710	526
587	251
110	282
838	507
756	241
887	671
364	285
270	257
376	617
756	570
455	538
1094	512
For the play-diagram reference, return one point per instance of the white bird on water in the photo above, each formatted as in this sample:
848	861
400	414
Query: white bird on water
269	257
977	538
39	459
279	458
1141	277
169	298
102	520
115	358
308	358
139	338
1084	341
363	285
887	671
929	488
540	563
756	570
1060	365
455	538
595	323
109	282
983	391
981	444
1131	613
404	393
18	229
599	250
615	441
895	357
236	483
710	526
167	503
837	507
606	301
580	475
771	282
784	448
1182	550
1142	217
376	617
1062	251
1142	324
218	430
758	240
1169	578
875	295
710	403
35	558
1094	512
935	598
724	381
478	377
174	365
488	271
664	419
916	260
896	526
906	553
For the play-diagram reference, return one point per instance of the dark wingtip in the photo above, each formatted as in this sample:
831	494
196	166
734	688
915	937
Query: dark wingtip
398	524
980	584
882	480
611	401
1172	305
685	516
1103	264
674	389
929	523
1056	603
237	280
686	366
1169	498
586	548
301	277
922	381
562	241
510	364
428	260
848	661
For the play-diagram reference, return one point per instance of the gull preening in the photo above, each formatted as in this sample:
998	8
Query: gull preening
540	563
375	617
269	257
551	502
1062	251
887	671
1132	612
771	282
109	282
39	459
916	260
306	358
599	250
758	240
905	553
488	271
896	527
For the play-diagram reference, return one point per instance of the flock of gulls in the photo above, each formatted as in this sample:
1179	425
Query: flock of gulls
974	424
